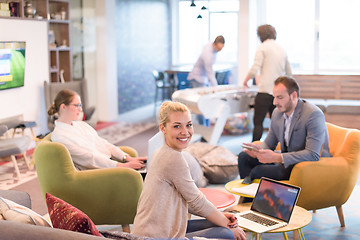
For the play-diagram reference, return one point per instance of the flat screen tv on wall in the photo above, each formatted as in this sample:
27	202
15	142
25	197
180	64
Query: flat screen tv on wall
12	64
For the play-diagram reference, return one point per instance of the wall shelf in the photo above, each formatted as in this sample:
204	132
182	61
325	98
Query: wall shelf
59	21
56	13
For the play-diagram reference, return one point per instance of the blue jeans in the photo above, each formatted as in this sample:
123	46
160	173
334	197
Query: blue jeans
249	166
206	229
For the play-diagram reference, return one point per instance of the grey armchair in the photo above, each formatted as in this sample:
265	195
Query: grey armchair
77	85
9	147
20	197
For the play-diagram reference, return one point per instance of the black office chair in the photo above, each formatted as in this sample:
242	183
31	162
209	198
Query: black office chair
163	85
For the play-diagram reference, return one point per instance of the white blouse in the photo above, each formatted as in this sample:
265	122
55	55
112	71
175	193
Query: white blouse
87	149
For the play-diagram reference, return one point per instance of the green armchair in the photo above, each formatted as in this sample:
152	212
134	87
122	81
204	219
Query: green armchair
107	196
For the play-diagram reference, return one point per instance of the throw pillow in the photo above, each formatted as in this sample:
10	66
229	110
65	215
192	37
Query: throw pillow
14	212
195	170
218	163
65	216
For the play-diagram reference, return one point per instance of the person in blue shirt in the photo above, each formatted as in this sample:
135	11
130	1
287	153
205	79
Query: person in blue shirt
202	74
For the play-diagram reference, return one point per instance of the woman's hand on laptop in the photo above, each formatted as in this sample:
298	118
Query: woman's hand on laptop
138	159
135	164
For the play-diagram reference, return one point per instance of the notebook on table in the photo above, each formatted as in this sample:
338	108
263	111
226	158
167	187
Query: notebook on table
271	208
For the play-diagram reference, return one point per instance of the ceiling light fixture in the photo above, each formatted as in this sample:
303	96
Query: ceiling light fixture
199	16
203	8
192	4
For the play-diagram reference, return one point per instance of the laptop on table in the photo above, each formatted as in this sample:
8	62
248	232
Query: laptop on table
271	208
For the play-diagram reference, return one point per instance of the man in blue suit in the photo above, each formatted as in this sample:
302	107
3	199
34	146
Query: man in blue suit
297	125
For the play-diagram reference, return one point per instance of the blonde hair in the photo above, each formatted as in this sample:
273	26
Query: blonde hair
65	96
169	107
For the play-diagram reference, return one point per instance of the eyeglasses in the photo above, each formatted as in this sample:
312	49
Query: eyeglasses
77	105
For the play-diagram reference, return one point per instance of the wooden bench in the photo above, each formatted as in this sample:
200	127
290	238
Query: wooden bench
337	95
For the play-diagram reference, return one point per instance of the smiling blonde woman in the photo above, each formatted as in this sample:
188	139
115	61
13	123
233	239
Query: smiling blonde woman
170	193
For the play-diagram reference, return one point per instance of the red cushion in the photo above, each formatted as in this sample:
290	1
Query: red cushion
65	216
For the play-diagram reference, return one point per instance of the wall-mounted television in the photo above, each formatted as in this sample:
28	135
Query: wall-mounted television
12	64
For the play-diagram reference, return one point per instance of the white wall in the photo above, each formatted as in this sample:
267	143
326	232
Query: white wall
248	22
106	64
28	100
100	58
89	28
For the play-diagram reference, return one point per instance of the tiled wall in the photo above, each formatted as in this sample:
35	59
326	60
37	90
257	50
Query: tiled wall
143	44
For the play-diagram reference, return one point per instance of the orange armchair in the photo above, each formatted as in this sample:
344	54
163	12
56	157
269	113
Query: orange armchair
331	180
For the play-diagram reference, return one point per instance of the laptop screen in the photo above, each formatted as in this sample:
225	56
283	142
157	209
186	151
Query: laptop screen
154	143
275	199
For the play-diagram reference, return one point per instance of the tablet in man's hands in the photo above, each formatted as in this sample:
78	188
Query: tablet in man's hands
250	147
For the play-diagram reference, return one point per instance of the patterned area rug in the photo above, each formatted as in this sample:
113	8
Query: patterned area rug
120	131
8	176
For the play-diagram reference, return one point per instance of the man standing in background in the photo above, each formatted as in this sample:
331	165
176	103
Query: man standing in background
270	62
203	74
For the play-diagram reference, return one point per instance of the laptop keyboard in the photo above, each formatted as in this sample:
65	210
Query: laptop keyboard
259	219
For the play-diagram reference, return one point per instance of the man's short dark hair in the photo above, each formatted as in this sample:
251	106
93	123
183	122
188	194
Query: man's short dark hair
290	84
219	39
266	32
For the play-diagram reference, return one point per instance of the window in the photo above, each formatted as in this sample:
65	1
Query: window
219	18
316	34
338	35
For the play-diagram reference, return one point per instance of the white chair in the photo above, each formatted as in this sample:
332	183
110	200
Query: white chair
9	147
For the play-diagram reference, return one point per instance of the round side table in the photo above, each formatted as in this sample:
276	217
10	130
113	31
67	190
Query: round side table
219	198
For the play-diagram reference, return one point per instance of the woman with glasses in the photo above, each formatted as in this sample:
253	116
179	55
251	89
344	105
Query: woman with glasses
87	149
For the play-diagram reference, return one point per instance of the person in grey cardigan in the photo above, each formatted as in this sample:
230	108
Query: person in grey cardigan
170	193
